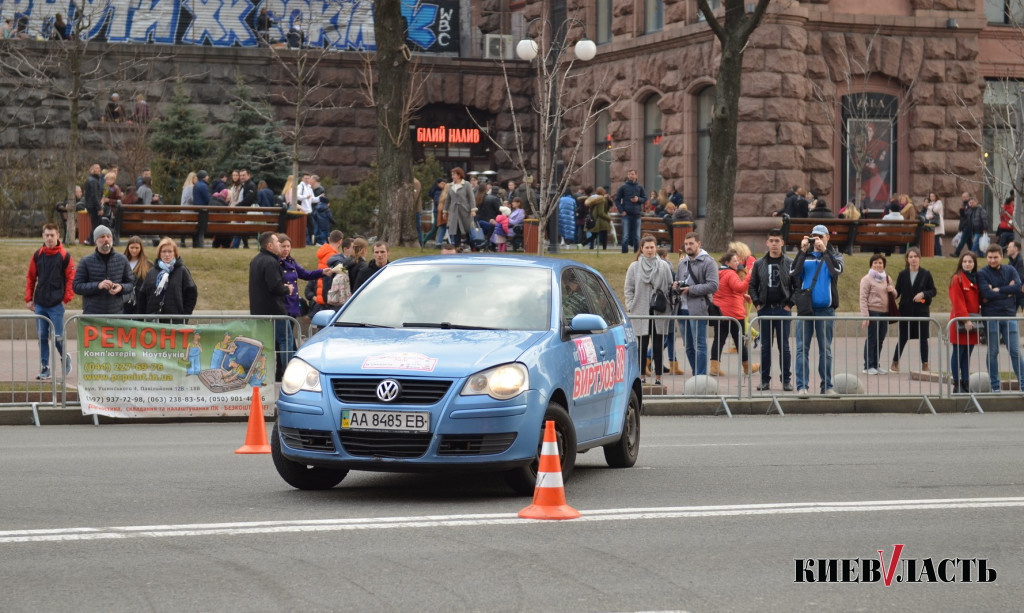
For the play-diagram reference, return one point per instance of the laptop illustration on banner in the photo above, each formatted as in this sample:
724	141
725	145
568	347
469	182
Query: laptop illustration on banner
235	368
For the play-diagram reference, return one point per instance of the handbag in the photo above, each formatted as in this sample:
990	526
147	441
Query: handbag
659	301
589	223
802	298
894	309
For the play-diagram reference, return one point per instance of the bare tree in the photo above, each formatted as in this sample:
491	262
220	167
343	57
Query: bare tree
1001	167
72	72
300	86
562	97
732	32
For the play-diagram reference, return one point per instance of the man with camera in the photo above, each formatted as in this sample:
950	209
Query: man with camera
696	282
817	268
771	291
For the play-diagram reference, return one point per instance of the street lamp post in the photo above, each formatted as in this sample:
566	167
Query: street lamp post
553	65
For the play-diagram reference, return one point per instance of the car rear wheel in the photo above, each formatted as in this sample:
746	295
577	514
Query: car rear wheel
623	452
524	479
300	475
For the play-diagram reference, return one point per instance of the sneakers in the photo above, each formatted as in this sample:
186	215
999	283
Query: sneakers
831	393
804	393
872	371
882	371
764	386
44	374
787	387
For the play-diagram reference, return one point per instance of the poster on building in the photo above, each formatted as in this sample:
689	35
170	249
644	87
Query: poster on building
870	169
129	368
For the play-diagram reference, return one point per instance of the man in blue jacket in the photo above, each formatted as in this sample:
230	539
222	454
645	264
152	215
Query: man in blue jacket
630	201
201	190
999	287
815	253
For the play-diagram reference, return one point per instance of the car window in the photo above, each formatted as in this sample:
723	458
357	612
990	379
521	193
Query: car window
574	298
473	296
600	297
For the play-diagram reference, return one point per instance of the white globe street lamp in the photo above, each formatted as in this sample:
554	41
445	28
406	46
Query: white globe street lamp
527	49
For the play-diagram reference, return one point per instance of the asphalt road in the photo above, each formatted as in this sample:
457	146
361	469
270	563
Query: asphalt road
167	518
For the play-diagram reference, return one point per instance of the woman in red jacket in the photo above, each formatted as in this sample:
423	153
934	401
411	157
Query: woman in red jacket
963	335
729	301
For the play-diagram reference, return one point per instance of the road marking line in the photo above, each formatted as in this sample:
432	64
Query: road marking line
495	519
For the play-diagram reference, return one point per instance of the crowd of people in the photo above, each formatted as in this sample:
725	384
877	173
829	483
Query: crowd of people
724	294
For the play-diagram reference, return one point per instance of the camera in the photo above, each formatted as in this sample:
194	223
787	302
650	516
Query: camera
678	290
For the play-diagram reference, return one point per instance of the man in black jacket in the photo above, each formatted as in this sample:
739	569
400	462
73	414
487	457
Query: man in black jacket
629	200
103	276
92	194
380	260
771	290
267	292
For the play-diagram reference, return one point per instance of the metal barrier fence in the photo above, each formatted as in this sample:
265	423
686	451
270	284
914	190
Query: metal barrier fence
994	363
891	357
23	362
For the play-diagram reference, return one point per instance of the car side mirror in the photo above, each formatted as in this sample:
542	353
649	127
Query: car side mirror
322	318
587	323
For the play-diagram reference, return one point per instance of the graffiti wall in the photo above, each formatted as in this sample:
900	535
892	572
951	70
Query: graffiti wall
345	25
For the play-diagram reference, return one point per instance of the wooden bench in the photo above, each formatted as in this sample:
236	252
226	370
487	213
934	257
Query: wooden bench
197	221
649	224
868	234
842	231
884	235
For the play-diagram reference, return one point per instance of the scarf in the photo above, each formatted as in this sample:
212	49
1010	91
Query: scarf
970	276
163	275
649	268
876	276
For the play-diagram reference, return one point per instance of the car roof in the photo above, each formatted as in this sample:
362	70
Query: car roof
556	264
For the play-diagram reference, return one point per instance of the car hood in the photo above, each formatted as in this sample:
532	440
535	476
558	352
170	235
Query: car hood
416	352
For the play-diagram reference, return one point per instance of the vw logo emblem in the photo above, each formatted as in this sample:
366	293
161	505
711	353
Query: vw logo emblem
388	390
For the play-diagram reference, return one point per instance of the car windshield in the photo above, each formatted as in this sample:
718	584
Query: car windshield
454	296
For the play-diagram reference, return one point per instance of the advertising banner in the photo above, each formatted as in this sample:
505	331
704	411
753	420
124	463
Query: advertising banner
129	368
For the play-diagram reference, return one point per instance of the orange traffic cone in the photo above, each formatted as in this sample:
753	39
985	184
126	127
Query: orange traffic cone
549	497
256	435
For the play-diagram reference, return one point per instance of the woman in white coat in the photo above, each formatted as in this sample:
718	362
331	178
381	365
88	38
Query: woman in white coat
644	278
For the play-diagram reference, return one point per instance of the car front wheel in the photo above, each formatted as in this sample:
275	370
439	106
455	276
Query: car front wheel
524	479
623	452
300	475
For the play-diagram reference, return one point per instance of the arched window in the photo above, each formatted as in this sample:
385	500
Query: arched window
602	150
652	143
705	108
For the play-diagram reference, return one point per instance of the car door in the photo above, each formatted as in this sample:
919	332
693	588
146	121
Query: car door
611	401
595	369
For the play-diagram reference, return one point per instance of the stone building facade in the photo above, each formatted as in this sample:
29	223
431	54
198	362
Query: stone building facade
817	73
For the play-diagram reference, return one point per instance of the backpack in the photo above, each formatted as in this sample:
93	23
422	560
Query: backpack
340	289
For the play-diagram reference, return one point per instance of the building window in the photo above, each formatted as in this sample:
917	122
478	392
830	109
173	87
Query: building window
1004	11
999	141
602	150
705	107
714	4
869	139
654	16
604	22
652	144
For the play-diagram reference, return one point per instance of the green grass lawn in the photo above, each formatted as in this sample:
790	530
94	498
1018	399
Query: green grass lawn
222	274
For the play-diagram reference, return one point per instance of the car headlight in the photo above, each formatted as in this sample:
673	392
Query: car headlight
300	376
501	382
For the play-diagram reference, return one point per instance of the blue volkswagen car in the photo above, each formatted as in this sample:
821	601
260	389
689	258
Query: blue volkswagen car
455	363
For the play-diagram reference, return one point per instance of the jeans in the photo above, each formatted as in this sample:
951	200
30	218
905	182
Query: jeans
877	329
976	245
960	364
822	329
56	315
284	343
695	336
779	332
1008	332
938	245
670	340
965	241
630	233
